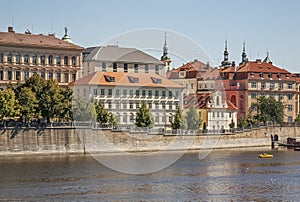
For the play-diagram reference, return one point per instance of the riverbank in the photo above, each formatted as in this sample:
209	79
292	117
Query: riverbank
78	141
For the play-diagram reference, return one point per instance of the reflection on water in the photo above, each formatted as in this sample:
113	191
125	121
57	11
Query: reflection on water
224	175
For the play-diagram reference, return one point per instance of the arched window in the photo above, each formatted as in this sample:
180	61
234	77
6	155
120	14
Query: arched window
9	57
73	60
124	118
26	58
42	57
233	100
1	56
58	61
217	101
66	60
18	58
34	58
50	60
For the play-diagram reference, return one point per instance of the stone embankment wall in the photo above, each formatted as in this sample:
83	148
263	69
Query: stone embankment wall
70	140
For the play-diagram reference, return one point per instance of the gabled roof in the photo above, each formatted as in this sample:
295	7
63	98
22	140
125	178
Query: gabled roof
126	79
35	41
120	54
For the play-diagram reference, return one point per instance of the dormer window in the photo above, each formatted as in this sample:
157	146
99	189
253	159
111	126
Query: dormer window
252	74
156	80
133	79
270	75
109	78
181	74
278	75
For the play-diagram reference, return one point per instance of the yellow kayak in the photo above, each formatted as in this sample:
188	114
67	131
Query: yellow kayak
265	155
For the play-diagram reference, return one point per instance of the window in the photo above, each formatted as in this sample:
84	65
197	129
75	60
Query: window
290	119
272	86
253	95
18	75
109	92
137	93
103	67
74	61
290	108
280	96
9	57
150	105
73	77
170	106
156	93
109	78
117	92
131	93
156	118
170	118
272	95
156	69
156	80
1	74
146	69
163	118
124	118
137	105
124	92
176	94
263	85
290	96
109	104
9	75
253	84
156	105
261	75
26	74
163	105
115	68
143	93
95	91
290	86
150	93
18	58
58	77
131	105
50	60
42	58
125	67
102	92
50	75
58	60
170	94
26	58
133	79
213	114
263	94
43	74
163	94
1	56
124	105
66	77
117	105
66	60
280	87
136	68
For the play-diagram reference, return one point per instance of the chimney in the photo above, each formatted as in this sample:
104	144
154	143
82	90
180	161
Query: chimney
258	60
10	29
233	63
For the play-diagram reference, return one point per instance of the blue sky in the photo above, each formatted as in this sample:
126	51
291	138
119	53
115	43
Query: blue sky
264	25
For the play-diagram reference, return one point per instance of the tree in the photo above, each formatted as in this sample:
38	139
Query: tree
83	110
102	114
28	104
192	118
8	104
144	117
268	109
178	122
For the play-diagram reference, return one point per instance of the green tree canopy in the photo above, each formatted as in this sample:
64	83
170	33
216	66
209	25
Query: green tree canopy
102	114
268	109
192	118
178	122
144	117
28	103
9	106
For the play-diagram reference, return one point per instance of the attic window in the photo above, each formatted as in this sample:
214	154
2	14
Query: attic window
133	79
270	75
261	74
278	75
156	80
109	78
252	74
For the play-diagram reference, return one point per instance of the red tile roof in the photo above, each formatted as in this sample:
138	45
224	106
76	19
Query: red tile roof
37	41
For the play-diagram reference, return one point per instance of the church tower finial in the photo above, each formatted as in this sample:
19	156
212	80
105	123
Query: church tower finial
165	57
244	55
66	37
226	61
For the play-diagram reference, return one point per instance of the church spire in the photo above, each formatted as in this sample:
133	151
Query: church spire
226	62
267	59
165	57
244	55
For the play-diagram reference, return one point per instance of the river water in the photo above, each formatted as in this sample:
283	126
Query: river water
224	175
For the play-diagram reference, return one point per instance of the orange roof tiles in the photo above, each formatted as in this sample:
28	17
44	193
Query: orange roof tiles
33	40
126	79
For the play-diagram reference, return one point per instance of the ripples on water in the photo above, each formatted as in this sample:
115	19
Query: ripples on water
224	175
